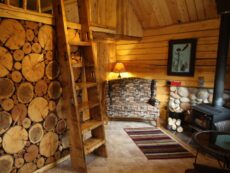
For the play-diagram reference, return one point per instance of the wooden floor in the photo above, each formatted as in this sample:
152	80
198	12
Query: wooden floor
125	157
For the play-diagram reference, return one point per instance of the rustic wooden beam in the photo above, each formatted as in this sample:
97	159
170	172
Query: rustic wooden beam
68	84
74	25
38	5
24	4
103	30
19	13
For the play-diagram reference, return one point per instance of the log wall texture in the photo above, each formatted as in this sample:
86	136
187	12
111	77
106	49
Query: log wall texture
148	58
30	98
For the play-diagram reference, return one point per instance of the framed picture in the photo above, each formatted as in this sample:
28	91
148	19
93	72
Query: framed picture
181	57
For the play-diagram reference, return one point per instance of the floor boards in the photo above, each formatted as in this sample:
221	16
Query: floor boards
125	157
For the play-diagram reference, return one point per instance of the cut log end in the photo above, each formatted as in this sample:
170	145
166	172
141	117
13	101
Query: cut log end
6	61
48	144
25	92
36	133
14	140
19	113
6	163
54	90
38	109
12	34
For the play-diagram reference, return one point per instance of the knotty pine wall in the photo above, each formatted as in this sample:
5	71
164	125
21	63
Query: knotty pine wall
148	57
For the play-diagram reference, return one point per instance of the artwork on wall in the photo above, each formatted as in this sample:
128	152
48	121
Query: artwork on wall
181	57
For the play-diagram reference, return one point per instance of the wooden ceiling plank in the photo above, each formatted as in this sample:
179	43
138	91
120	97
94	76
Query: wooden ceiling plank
173	10
200	9
210	9
145	13
183	11
156	10
187	27
191	10
164	9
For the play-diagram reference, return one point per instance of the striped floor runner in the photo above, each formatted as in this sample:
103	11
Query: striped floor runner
157	145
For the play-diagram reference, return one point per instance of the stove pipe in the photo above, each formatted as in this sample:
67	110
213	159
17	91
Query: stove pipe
221	62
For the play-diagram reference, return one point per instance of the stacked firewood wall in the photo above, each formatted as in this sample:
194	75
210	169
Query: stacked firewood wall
32	123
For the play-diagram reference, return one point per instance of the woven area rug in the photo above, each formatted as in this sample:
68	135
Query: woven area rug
157	145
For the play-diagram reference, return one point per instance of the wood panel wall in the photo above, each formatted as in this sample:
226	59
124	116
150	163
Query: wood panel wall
71	11
127	21
105	59
103	13
158	13
148	58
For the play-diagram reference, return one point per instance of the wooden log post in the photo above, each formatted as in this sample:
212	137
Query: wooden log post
38	6
24	5
67	77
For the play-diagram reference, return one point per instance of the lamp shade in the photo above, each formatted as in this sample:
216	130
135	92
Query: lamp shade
119	68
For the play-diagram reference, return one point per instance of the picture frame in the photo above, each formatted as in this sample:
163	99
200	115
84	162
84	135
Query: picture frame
181	57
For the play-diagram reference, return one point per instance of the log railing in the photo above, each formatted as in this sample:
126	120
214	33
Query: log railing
24	5
8	10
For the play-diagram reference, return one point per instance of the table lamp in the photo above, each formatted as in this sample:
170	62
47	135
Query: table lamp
119	68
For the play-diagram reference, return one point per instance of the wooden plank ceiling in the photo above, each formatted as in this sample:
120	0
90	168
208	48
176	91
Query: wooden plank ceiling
158	13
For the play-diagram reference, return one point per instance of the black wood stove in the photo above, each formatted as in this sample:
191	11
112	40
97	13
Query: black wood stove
204	116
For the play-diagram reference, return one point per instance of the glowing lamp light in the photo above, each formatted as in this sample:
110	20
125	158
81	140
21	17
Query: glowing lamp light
119	68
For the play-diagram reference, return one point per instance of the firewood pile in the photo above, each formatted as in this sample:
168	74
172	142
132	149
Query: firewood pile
32	123
175	124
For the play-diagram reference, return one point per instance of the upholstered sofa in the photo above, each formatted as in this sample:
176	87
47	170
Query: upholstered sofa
132	98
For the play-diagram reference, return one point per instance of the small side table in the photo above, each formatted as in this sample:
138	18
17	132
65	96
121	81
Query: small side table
216	144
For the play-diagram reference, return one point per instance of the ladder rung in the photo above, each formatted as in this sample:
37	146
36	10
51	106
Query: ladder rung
92	144
76	65
90	125
87	105
80	43
85	85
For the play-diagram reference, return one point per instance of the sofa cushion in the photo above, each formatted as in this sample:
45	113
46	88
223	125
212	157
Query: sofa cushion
129	90
129	97
133	110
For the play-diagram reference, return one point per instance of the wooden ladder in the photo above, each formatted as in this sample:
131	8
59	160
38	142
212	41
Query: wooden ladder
80	88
